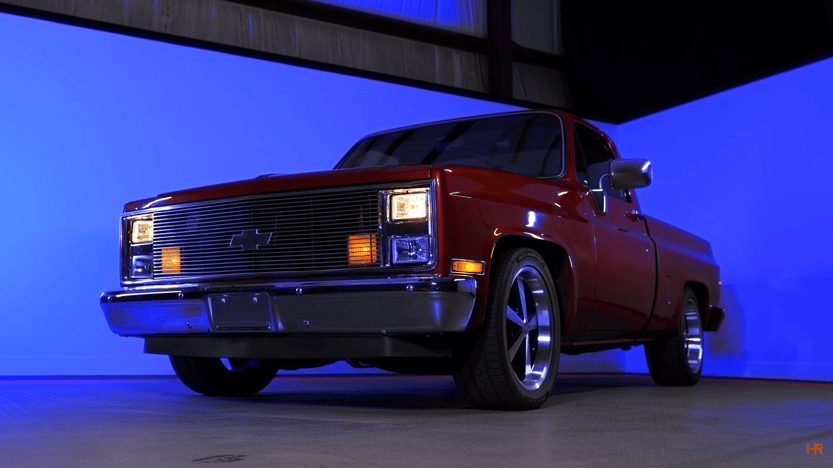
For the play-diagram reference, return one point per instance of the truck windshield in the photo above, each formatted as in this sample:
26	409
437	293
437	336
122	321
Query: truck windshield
529	144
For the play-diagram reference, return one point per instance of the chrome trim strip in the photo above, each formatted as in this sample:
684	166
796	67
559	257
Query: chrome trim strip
394	283
289	283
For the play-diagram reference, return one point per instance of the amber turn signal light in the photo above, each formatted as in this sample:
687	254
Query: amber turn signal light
170	260
361	249
468	267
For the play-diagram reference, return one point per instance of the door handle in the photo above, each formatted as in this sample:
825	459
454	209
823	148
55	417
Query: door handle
635	215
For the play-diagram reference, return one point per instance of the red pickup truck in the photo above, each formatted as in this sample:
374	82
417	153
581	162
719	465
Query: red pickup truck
481	248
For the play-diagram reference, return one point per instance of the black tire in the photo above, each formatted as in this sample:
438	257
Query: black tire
678	360
492	372
211	376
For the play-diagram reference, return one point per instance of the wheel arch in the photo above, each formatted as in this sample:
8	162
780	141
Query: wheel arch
701	291
557	261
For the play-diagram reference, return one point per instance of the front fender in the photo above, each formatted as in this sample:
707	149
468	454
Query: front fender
479	211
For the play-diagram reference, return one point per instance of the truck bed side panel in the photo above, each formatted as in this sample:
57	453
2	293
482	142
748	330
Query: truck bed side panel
681	257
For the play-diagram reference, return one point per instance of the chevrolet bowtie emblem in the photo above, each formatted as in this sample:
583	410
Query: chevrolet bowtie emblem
250	239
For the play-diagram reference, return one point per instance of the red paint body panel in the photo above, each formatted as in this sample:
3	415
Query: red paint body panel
682	258
624	277
491	205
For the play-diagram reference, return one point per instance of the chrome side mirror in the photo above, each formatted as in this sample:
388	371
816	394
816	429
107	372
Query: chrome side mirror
630	173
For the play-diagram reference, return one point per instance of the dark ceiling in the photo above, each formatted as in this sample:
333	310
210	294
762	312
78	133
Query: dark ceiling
623	60
627	59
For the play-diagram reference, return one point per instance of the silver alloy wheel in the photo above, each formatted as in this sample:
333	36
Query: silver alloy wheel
529	328
693	335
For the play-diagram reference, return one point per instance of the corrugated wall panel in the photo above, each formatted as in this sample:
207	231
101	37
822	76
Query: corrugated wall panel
232	24
542	85
536	25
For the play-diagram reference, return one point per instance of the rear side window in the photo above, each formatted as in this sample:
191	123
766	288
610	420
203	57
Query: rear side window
593	158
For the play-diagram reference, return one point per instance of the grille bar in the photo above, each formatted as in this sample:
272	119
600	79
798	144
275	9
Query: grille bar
306	233
223	210
332	225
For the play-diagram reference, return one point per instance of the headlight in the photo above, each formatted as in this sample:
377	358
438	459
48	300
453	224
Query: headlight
138	253
410	249
409	237
141	231
411	206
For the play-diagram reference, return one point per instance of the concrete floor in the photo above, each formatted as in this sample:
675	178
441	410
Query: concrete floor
388	420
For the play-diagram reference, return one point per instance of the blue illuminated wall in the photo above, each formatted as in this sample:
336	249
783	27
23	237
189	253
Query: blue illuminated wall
749	170
90	120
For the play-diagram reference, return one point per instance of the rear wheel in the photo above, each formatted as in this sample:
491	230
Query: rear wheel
678	360
224	377
513	362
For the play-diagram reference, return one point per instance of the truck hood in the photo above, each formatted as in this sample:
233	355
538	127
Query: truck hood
280	183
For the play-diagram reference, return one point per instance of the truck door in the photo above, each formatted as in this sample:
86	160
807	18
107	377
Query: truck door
625	255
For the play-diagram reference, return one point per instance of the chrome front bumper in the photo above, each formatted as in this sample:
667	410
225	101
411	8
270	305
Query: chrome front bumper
380	306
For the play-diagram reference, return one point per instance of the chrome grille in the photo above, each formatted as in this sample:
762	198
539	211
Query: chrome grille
309	234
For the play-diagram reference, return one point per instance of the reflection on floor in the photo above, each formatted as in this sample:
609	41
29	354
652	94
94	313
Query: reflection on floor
390	420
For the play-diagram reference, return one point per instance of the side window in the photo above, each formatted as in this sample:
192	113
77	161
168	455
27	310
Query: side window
593	162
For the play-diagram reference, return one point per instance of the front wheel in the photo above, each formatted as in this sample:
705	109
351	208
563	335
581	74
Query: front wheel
678	360
512	363
224	377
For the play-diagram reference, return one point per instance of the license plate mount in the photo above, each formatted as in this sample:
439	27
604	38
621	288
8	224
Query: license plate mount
238	312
